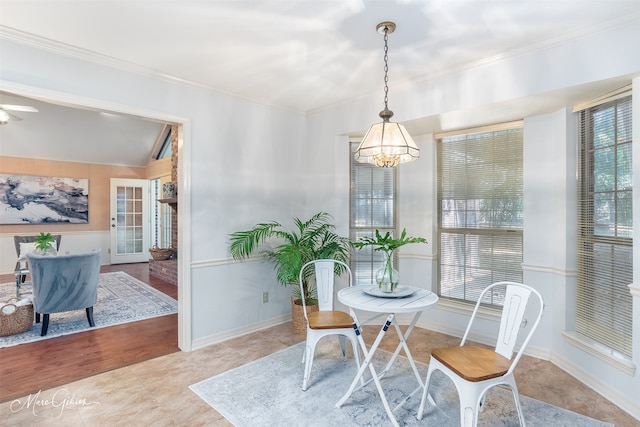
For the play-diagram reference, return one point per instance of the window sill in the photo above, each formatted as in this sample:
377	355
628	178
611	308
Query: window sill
466	309
601	352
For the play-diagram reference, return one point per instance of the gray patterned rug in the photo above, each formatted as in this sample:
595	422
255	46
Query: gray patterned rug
121	299
267	392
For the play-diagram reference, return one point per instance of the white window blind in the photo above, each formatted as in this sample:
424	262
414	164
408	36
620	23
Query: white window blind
372	205
480	197
605	227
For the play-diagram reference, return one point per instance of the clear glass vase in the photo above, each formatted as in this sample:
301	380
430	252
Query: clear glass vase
47	251
387	277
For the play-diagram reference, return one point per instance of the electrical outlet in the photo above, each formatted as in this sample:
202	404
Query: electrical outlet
265	297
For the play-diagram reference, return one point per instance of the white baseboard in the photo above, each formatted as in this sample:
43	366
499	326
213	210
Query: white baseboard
629	406
238	332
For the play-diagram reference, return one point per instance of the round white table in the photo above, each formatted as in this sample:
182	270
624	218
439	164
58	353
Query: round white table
373	301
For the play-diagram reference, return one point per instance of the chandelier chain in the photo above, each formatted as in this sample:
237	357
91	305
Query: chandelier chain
386	67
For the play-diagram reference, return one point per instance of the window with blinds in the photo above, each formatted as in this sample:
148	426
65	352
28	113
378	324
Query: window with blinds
480	198
372	206
605	227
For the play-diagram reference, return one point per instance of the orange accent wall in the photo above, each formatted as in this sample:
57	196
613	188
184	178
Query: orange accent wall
99	183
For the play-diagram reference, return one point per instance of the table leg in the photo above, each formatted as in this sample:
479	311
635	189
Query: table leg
403	346
367	364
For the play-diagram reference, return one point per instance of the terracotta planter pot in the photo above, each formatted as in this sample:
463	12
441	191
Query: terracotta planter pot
297	316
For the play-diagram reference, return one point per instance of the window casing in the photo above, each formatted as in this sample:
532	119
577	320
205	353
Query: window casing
480	199
604	305
372	206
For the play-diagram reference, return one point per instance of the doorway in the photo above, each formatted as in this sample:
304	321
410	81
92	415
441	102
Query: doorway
183	201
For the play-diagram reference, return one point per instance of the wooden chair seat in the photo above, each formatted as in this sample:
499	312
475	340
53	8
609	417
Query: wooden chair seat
330	320
473	363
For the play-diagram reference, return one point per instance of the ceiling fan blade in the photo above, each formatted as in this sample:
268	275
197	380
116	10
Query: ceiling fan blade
23	108
14	117
6	116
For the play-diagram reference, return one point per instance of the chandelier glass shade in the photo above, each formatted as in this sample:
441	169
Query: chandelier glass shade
387	144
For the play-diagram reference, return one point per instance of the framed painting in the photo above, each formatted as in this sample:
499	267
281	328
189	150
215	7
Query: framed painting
26	199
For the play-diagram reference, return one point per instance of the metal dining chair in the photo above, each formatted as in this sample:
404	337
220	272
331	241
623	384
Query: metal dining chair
326	321
475	369
24	245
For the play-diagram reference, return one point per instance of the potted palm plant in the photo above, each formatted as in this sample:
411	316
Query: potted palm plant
44	244
387	277
289	250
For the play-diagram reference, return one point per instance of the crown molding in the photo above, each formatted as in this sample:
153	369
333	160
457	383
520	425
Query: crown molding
59	48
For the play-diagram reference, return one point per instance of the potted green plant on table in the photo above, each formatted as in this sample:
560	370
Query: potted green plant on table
289	250
44	244
387	277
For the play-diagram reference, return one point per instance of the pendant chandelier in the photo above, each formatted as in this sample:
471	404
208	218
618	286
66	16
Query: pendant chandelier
386	144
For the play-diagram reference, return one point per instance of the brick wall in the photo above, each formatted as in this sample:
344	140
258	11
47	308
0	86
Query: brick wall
166	270
174	179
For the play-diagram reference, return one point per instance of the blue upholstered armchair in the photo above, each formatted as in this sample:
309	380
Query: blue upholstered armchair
64	283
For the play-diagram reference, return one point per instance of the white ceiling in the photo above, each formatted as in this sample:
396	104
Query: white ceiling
305	54
60	132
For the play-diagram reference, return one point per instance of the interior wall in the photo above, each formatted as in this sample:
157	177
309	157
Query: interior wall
99	180
241	162
158	169
76	237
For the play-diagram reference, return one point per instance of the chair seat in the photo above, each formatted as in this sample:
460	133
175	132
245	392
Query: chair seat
330	319
472	363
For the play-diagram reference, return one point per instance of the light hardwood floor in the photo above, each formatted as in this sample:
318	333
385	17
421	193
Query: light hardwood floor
154	391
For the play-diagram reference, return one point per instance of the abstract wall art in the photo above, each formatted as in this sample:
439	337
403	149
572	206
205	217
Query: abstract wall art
26	199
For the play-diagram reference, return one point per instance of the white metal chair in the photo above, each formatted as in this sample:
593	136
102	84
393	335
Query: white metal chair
24	245
475	369
326	321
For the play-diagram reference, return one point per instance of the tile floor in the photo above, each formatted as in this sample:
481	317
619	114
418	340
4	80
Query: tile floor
156	393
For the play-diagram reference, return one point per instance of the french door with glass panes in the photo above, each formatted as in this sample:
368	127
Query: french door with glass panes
129	209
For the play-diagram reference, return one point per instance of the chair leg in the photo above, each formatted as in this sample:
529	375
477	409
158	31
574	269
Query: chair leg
309	353
45	324
343	346
516	398
469	403
425	392
466	417
90	316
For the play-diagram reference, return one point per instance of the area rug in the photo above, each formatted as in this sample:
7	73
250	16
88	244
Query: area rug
267	392
121	299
